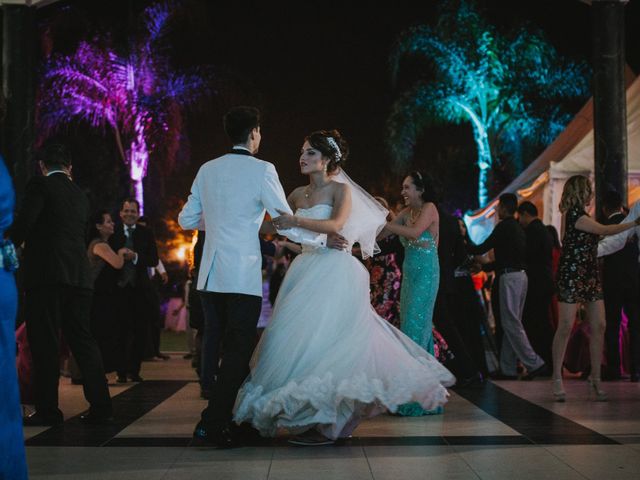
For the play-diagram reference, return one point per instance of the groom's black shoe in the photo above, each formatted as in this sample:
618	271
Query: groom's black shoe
247	434
219	438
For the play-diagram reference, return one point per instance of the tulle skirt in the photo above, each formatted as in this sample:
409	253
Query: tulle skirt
327	360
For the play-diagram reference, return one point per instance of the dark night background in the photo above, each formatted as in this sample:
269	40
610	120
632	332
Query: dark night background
308	66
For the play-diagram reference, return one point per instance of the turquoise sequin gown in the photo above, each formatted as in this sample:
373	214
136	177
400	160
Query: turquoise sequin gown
420	280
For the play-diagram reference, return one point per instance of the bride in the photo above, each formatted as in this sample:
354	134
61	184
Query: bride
327	360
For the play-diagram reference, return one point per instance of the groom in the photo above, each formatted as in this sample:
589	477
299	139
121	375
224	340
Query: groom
228	199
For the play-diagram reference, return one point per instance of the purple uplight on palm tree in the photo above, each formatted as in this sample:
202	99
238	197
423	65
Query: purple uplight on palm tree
137	95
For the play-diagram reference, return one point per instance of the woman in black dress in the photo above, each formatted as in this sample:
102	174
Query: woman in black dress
578	280
103	262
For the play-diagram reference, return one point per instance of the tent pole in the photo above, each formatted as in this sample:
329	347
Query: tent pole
19	50
609	99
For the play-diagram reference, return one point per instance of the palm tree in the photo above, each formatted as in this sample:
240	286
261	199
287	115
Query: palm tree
510	89
137	95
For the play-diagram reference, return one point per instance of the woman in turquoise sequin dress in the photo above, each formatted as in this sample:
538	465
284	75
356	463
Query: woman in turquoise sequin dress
417	225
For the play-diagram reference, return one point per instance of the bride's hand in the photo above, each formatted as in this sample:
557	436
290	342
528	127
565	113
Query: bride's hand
284	221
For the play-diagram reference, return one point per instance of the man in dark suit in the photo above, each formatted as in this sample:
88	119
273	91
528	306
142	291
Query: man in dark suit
620	285
52	225
535	318
135	290
458	330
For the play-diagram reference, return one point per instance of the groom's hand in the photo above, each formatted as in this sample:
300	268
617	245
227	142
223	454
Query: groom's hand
336	241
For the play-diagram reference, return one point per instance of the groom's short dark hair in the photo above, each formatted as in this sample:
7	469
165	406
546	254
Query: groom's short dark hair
239	121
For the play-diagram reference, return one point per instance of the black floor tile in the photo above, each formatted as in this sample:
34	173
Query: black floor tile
539	425
128	407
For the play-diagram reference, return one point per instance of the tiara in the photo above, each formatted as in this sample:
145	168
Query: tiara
332	142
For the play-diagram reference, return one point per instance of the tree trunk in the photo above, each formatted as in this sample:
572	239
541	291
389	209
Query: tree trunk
484	164
138	193
138	158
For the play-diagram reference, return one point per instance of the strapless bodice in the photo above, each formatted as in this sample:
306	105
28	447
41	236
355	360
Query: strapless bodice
320	211
424	242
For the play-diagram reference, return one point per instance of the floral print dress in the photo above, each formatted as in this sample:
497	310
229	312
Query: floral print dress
385	277
578	279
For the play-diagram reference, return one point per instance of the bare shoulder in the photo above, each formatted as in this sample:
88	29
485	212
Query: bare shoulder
431	209
296	195
297	192
101	248
339	187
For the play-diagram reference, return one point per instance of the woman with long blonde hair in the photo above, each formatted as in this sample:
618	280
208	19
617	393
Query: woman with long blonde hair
578	281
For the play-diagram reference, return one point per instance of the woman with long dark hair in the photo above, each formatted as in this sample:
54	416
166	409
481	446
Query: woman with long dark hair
102	262
418	228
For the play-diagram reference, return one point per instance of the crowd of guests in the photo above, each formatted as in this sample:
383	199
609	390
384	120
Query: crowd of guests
95	292
491	310
87	293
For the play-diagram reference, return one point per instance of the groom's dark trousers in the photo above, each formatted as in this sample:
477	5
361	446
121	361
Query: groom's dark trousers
234	317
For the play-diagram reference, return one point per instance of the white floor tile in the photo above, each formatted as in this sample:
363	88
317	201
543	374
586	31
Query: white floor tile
598	462
516	462
414	462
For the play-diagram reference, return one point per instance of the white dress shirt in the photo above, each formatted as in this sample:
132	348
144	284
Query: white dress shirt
612	243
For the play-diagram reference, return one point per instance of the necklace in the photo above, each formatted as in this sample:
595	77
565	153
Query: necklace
412	217
308	192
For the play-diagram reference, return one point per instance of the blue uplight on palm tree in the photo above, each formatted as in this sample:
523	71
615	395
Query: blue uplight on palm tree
508	88
137	95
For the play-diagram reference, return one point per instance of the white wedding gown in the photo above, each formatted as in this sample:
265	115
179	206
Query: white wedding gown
327	359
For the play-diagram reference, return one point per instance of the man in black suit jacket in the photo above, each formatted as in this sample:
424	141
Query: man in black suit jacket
536	317
620	285
52	225
455	328
135	290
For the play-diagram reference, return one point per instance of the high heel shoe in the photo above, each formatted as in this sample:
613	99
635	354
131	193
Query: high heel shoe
594	389
559	394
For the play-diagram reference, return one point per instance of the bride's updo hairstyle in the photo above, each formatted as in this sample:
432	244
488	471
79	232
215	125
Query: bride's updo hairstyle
332	146
423	182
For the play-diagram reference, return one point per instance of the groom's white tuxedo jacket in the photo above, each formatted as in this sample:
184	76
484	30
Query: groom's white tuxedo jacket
228	200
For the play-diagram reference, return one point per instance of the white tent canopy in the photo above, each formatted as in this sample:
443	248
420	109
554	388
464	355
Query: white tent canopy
572	153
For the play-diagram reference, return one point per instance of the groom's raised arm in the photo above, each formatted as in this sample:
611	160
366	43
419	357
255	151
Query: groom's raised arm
272	194
274	199
190	217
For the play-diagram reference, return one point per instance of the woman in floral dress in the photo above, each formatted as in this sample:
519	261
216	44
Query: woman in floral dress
385	275
578	280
